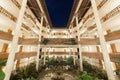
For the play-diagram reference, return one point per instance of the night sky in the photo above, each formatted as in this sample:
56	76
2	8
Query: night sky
59	11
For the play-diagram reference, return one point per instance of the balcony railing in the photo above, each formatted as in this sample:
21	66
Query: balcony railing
64	41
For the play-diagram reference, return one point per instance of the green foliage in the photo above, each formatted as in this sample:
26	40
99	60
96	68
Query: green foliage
118	61
70	60
3	62
28	73
2	75
51	60
85	76
46	57
96	72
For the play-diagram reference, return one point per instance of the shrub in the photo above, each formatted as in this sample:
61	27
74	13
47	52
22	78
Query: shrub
51	61
96	72
2	75
85	76
70	60
28	73
3	62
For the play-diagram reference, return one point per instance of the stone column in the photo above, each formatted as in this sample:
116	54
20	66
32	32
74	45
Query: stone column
44	57
69	52
49	52
79	46
14	45
106	57
38	51
73	56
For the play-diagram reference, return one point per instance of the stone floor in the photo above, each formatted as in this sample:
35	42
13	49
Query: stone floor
50	75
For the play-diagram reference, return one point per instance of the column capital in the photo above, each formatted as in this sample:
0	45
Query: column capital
42	14
71	24
76	15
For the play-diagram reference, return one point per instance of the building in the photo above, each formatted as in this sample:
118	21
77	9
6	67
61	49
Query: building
92	33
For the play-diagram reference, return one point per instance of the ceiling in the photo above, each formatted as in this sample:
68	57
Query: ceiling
59	12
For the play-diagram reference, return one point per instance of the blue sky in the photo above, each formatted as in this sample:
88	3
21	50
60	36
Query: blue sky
59	11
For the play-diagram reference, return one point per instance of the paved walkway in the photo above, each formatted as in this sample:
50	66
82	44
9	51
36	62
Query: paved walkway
47	75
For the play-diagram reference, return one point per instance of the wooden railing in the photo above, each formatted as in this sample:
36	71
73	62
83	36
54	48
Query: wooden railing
19	55
99	55
26	14
89	41
6	36
60	41
113	35
84	41
28	41
115	57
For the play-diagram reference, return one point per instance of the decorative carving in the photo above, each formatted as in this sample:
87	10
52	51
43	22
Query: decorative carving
99	6
13	18
29	16
26	14
112	13
59	33
6	13
89	16
26	27
16	3
92	27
